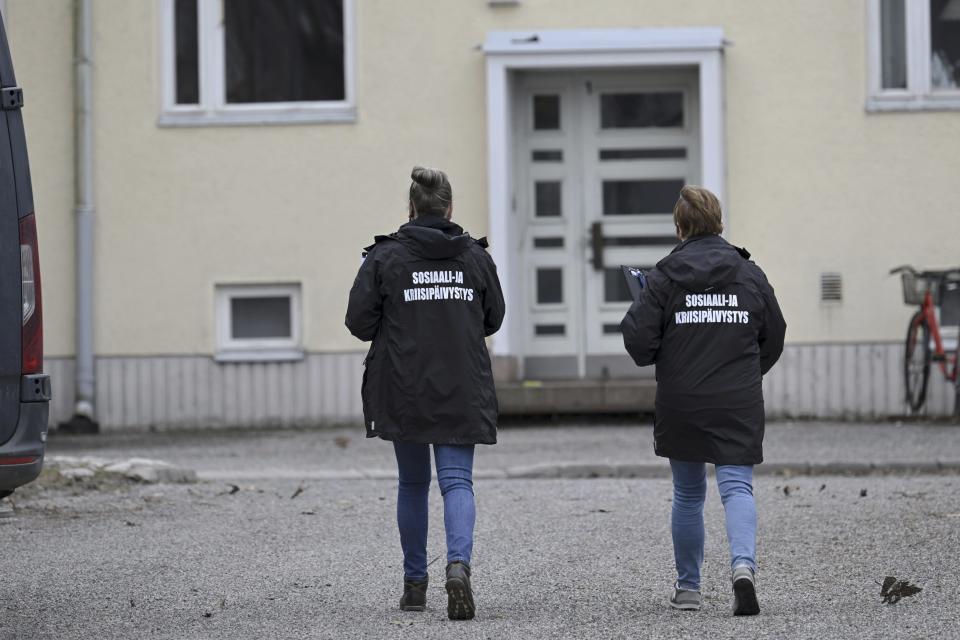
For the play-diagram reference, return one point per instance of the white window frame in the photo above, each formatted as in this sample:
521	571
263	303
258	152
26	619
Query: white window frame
213	108
230	349
919	94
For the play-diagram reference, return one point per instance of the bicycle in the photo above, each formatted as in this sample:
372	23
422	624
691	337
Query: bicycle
928	289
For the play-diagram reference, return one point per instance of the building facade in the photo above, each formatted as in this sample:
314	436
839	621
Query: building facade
244	153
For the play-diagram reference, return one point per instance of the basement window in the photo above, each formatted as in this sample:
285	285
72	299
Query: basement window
251	62
258	322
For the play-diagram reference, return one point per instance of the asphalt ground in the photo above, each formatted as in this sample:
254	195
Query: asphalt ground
553	559
291	534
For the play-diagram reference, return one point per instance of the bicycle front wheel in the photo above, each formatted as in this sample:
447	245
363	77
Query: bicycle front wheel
916	362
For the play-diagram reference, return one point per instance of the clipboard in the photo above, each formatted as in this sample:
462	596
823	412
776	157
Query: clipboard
636	280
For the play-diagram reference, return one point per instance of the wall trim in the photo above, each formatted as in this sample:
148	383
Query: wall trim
840	381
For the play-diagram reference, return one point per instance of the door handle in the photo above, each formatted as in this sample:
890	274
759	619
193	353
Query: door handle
596	245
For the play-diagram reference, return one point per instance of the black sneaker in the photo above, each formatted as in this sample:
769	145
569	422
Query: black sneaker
744	592
460	604
414	595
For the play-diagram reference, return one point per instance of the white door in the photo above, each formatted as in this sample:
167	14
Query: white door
601	157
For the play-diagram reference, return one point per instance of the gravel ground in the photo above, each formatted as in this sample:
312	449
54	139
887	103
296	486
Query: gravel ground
255	455
553	559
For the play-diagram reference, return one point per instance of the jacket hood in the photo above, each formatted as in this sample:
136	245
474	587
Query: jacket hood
434	237
703	263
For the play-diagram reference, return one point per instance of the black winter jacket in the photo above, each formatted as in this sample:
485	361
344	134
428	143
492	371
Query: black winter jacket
710	321
427	296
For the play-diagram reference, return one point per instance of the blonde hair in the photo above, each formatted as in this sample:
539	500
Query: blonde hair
697	212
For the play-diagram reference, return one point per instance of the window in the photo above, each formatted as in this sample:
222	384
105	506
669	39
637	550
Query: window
654	153
245	62
550	330
629	197
547	155
546	112
615	287
914	54
893	45
553	242
945	44
547	199
258	322
550	286
641	110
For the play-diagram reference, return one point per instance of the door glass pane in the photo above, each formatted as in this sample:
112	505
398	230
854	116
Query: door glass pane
625	197
893	44
639	110
550	329
641	241
283	50
945	44
550	155
548	243
188	71
643	154
609	329
546	112
550	286
615	286
548	199
266	317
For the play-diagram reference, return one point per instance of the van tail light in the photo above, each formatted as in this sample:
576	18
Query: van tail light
31	343
19	460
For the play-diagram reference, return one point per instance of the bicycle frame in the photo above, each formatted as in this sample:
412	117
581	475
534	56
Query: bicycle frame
929	315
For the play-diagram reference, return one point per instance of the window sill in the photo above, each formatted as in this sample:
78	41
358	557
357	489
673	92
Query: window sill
257	117
259	355
881	104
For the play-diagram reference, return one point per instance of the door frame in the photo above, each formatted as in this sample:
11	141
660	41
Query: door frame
510	51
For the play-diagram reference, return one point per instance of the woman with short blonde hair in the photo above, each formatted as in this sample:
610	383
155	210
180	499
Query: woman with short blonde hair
709	320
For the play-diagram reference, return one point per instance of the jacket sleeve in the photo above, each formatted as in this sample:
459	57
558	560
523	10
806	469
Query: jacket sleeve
642	327
773	331
365	304
493	304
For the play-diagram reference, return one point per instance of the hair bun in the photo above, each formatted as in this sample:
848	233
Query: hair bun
428	178
430	192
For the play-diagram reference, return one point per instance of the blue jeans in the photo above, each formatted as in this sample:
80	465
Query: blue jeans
689	492
455	477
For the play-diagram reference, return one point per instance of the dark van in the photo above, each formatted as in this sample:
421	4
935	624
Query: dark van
24	388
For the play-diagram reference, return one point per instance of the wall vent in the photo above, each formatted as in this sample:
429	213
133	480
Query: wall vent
831	287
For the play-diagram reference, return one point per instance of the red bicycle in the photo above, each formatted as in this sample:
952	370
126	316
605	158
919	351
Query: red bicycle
924	345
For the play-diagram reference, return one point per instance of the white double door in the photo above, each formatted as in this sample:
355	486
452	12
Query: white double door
600	158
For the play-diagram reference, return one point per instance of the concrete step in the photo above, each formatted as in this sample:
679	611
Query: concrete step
576	396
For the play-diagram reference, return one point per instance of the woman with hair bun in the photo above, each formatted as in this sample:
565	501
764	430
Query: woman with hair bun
710	322
427	296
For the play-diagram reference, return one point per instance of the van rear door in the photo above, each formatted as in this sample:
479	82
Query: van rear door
16	201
